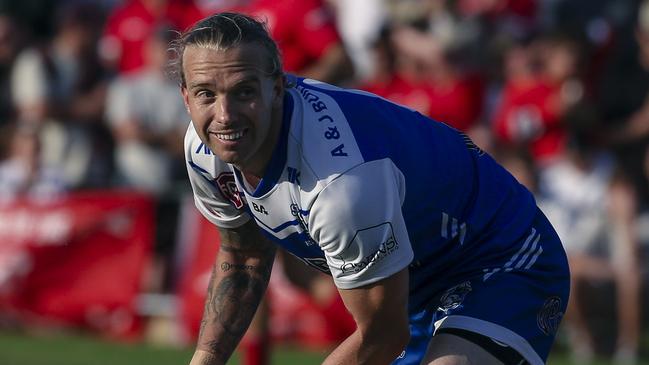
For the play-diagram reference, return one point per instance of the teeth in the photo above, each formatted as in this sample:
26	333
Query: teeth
230	136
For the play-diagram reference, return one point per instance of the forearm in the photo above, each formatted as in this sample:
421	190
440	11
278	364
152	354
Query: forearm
239	279
382	330
358	349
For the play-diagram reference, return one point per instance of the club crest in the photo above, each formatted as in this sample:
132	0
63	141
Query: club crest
228	188
549	316
454	297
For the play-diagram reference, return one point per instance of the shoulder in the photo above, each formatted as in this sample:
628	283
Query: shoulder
345	127
364	196
363	108
191	141
321	132
357	222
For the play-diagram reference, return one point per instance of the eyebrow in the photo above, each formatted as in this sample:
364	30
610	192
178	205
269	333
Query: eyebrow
245	79
195	85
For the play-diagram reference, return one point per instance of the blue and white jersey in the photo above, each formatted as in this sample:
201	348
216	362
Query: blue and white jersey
361	188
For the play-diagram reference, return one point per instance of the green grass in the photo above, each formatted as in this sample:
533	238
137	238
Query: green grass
70	349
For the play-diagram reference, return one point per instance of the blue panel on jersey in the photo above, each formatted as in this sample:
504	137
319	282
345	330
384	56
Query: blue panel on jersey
460	205
295	243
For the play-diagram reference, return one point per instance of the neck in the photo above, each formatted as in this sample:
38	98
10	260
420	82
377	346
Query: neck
253	180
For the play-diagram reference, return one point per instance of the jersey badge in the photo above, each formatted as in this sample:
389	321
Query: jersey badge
295	211
549	316
228	188
454	297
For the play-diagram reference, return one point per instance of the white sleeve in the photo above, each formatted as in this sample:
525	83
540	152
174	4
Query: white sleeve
215	193
358	223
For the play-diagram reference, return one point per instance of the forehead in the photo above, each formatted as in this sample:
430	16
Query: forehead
208	62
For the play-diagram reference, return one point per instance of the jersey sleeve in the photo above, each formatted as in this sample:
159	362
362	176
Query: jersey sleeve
358	223
215	192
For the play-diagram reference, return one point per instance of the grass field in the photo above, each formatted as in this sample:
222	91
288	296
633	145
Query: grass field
21	349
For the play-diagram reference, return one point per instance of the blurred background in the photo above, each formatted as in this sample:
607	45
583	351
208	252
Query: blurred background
104	259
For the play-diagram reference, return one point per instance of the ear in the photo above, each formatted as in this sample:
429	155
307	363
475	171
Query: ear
185	94
278	90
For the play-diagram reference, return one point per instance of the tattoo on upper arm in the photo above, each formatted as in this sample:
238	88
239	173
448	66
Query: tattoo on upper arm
245	240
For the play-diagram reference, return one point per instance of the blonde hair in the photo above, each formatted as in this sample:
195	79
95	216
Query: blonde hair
223	31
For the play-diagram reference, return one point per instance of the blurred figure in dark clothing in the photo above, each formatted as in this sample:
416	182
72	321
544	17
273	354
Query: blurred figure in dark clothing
35	15
10	43
147	117
61	85
623	99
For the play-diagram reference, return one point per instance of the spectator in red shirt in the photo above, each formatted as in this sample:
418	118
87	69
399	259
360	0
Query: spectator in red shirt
396	77
307	37
130	25
455	97
416	70
534	101
305	31
519	8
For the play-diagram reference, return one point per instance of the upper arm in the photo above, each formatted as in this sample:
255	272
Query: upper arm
358	223
245	242
380	309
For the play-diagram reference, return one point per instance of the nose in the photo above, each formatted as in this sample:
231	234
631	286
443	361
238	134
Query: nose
224	112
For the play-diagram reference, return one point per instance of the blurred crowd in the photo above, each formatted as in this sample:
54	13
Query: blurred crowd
556	90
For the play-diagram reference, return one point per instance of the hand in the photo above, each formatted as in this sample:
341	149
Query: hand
202	357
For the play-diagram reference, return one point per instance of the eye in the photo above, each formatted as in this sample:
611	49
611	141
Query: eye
204	94
245	93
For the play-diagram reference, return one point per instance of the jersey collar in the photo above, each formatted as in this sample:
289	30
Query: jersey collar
278	160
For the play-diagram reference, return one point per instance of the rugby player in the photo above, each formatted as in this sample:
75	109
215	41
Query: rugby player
440	255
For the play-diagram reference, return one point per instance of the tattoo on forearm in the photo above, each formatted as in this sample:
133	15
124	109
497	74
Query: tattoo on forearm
237	285
226	266
231	303
208	300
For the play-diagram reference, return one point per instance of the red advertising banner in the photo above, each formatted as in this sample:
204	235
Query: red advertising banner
76	261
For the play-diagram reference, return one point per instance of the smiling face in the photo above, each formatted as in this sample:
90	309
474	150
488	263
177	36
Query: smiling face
234	102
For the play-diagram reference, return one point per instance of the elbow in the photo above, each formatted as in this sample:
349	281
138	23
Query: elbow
396	342
390	340
401	340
